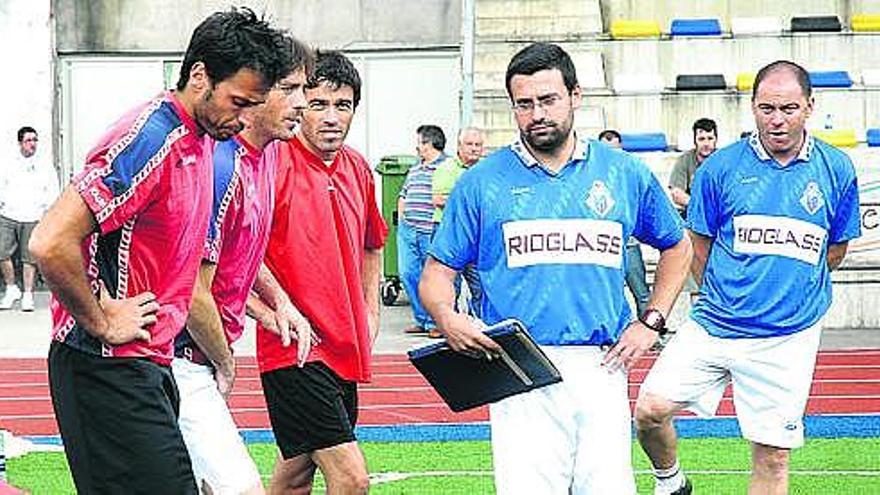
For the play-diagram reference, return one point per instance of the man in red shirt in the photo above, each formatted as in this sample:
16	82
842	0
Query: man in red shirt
121	250
324	251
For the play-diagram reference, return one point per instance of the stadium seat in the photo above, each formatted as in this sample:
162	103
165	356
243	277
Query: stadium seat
873	137
813	24
871	77
830	79
649	141
740	26
635	28
745	81
699	82
695	27
842	138
638	83
865	22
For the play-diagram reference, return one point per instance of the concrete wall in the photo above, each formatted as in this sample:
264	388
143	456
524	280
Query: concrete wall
165	25
26	52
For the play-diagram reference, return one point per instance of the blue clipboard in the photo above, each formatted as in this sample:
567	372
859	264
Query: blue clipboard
465	382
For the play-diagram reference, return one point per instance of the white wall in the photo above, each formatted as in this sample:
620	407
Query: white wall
26	52
400	91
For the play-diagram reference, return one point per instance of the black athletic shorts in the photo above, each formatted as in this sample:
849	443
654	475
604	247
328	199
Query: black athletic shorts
118	421
310	408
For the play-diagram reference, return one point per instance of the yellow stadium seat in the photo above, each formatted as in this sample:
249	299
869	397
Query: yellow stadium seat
745	81
635	28
842	138
866	22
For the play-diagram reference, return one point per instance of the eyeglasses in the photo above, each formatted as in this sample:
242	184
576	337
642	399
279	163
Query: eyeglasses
527	106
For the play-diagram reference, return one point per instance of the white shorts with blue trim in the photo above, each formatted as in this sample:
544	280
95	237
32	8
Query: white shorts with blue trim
771	379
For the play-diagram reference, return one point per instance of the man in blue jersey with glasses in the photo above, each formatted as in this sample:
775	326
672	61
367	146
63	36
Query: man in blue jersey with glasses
770	216
545	221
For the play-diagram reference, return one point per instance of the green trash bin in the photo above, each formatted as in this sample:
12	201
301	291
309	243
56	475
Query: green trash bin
393	169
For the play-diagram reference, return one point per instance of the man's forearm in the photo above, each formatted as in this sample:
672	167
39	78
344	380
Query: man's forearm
437	290
204	322
268	289
370	284
672	269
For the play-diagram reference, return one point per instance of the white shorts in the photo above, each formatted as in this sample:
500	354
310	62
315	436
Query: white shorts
219	456
572	437
771	379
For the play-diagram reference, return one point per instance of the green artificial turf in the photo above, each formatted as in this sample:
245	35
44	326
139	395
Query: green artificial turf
717	466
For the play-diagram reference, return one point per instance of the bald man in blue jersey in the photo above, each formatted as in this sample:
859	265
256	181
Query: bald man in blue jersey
545	221
770	216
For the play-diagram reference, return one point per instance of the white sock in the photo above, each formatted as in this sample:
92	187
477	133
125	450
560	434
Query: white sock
669	480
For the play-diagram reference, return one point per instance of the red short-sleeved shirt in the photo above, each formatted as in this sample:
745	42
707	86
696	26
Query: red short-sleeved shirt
149	188
325	216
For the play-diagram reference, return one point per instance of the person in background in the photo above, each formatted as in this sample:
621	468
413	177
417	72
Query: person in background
28	185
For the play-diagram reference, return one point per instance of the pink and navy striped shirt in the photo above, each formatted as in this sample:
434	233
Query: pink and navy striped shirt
149	188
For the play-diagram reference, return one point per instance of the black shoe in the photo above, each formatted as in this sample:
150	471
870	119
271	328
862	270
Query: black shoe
684	490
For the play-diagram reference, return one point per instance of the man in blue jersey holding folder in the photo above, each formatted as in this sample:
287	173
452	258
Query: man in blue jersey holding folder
545	221
770	216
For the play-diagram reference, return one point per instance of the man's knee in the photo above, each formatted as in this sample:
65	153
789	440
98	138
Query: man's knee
351	481
770	461
653	411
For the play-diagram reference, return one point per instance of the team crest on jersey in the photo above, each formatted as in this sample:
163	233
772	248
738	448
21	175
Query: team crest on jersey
599	199
812	199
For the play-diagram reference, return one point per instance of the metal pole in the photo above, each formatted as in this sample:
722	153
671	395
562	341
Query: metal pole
467	63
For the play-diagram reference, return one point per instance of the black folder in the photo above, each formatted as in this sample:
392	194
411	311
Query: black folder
465	382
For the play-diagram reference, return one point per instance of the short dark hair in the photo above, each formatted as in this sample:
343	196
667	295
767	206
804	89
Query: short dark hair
335	69
25	130
801	74
608	134
432	134
541	56
707	125
227	42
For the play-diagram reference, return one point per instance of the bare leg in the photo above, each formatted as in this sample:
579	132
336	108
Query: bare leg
344	469
8	271
292	476
655	431
29	273
769	470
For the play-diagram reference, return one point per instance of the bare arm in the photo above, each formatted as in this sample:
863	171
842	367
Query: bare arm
370	283
437	292
55	245
702	246
206	328
439	200
668	280
836	253
273	308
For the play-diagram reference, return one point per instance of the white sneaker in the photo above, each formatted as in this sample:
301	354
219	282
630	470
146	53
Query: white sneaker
13	293
27	301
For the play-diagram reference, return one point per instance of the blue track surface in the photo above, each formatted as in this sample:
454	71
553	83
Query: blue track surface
816	427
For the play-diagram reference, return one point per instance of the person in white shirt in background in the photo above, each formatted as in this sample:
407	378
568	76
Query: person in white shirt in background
28	186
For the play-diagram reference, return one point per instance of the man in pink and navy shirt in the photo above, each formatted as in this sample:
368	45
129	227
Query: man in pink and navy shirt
121	249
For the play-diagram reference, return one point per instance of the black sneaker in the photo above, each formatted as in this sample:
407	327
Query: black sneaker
684	490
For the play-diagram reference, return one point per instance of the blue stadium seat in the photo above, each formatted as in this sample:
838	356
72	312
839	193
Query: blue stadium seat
649	141
695	27
830	79
873	136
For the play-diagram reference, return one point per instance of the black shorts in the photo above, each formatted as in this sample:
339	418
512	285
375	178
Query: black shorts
310	408
118	421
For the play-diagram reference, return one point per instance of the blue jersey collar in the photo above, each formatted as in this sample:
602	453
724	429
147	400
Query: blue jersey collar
764	156
519	148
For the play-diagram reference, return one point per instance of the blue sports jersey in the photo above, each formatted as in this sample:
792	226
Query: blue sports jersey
549	246
767	272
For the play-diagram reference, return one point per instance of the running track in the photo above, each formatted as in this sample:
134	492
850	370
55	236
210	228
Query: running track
845	383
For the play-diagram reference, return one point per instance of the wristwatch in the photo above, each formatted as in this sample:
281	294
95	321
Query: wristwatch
654	319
